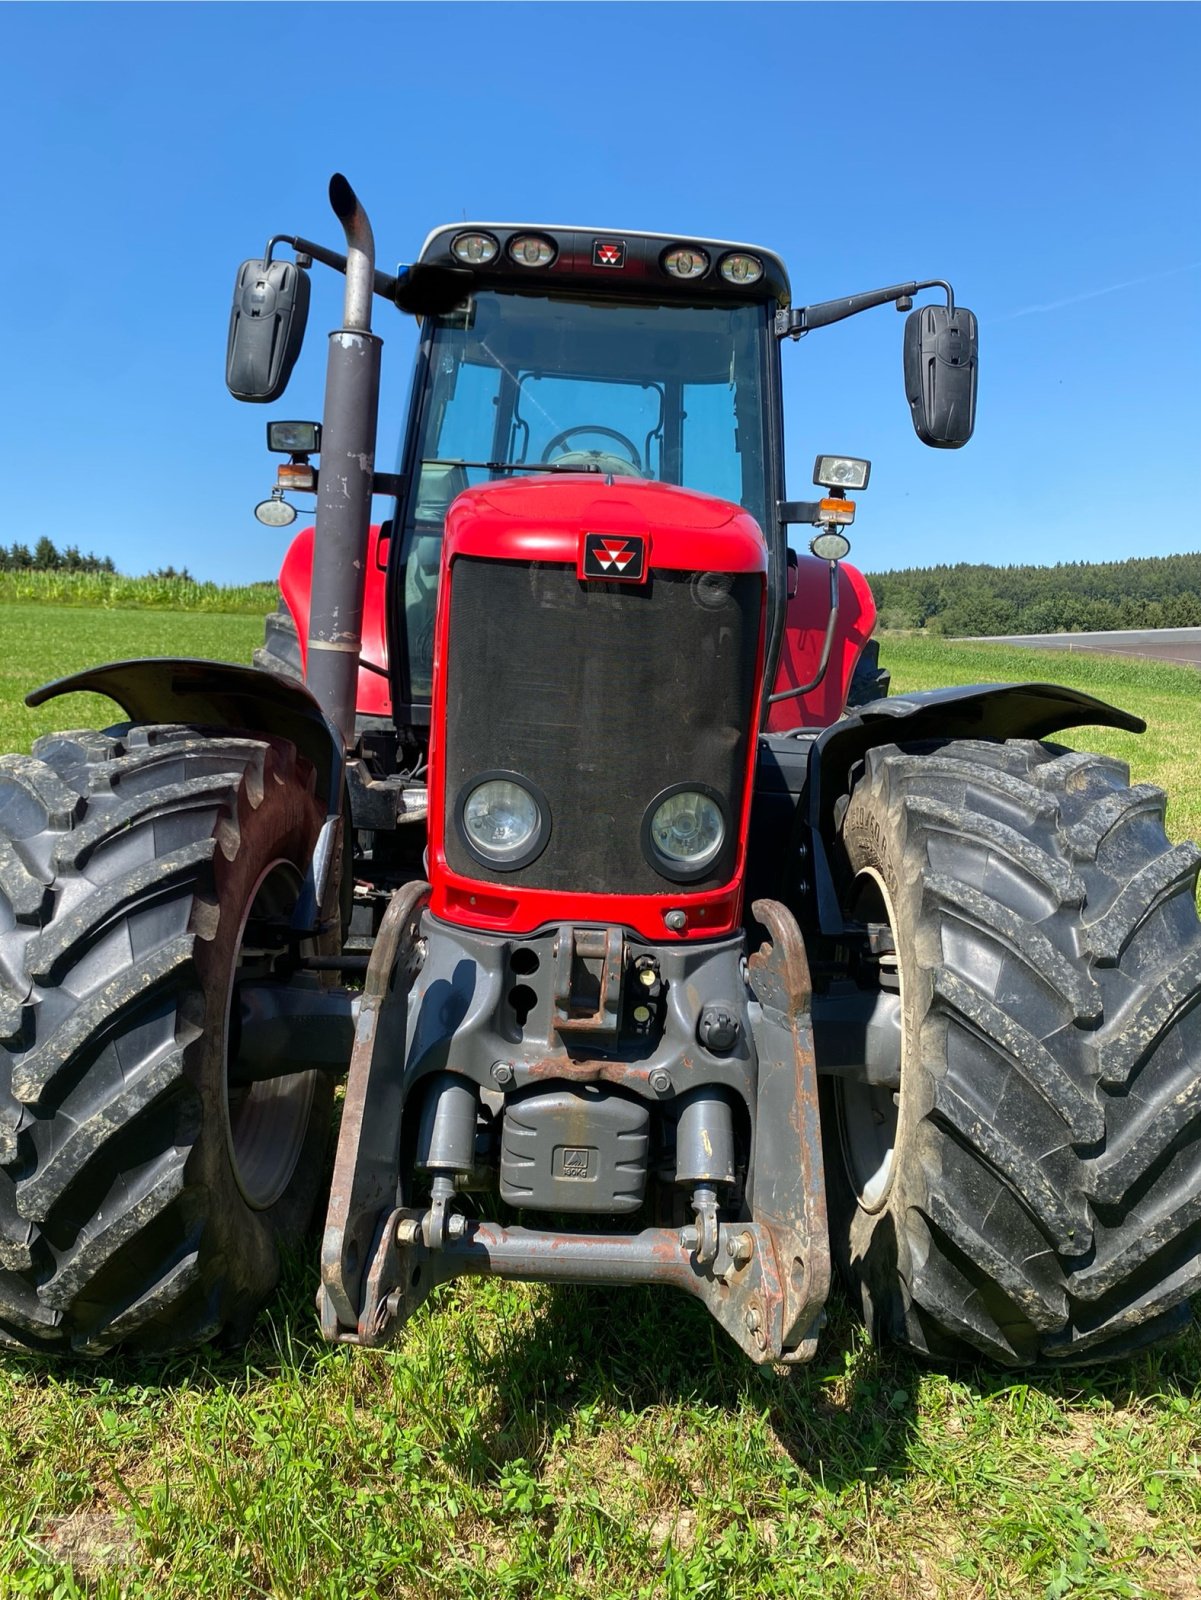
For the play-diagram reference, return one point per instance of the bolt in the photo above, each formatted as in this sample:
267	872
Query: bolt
752	1319
742	1248
408	1230
456	1225
660	1081
502	1073
676	921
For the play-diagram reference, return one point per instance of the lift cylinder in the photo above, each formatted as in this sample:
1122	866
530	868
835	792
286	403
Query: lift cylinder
705	1139
446	1135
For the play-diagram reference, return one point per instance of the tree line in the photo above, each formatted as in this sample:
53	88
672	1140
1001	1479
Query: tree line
47	557
1073	596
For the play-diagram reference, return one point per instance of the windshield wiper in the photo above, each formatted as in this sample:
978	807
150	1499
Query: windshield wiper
511	466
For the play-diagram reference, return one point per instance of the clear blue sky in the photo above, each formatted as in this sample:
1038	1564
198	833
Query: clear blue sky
1045	158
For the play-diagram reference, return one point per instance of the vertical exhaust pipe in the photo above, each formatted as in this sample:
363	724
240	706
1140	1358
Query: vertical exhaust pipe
347	470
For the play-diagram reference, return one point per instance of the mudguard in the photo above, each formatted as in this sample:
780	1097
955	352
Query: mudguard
215	694
974	711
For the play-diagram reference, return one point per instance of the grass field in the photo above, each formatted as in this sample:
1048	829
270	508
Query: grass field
565	1442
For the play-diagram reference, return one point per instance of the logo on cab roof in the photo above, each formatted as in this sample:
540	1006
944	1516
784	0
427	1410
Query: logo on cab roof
608	252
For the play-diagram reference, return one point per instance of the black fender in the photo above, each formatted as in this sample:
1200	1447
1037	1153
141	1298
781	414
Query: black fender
989	711
216	694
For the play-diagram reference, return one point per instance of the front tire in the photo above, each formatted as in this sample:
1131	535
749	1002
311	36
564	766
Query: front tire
1034	1191
143	1201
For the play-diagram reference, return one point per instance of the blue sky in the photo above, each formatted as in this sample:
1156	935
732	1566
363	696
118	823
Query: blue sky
1043	157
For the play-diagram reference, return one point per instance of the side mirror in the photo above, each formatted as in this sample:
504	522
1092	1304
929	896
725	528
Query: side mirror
266	328
941	363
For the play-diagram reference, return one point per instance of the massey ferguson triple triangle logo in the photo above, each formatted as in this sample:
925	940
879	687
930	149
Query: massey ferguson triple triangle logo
608	252
614	555
618	557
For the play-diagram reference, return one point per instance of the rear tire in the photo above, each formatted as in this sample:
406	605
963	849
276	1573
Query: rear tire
142	1202
1036	1195
280	649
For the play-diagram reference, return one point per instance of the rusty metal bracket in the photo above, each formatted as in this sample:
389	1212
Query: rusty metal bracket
366	1168
589	968
741	1288
786	1189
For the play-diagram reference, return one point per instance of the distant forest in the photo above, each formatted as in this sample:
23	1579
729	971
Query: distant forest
1075	596
47	557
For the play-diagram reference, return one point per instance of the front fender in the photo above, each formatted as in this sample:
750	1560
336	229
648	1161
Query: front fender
975	711
216	694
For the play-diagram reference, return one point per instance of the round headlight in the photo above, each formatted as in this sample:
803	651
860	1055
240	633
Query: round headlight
686	261
504	822
684	831
474	249
741	269
531	250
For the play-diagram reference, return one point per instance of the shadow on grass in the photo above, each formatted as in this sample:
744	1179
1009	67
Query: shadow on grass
850	1415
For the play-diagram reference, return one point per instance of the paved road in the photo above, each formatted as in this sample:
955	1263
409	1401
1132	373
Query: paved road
1163	644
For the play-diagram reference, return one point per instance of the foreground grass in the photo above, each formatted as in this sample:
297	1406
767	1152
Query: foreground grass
547	1442
564	1442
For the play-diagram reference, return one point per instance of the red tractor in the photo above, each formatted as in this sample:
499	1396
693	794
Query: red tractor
660	945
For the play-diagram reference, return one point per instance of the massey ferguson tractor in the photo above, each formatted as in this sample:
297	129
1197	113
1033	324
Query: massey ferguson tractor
653	944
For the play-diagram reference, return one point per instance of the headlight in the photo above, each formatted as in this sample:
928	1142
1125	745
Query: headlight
504	820
683	831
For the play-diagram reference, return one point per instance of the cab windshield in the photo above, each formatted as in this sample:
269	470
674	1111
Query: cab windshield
673	393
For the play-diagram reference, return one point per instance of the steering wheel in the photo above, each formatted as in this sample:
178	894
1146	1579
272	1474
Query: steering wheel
601	458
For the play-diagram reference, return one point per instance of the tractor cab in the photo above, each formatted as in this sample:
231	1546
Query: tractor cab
635	358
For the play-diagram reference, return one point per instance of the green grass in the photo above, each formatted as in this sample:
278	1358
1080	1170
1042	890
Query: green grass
568	1442
42	642
1167	697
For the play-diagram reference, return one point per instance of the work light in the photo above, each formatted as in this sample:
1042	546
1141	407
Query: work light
531	250
841	472
474	249
741	269
686	261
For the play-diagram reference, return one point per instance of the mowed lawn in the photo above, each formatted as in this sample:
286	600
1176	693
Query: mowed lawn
567	1442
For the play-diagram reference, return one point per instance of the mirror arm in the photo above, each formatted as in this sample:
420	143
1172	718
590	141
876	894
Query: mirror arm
384	283
800	320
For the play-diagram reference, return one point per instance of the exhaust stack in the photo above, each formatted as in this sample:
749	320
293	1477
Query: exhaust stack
347	471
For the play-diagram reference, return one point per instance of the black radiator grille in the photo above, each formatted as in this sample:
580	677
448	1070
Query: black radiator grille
603	695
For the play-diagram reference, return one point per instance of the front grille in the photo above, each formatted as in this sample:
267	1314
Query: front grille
603	695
